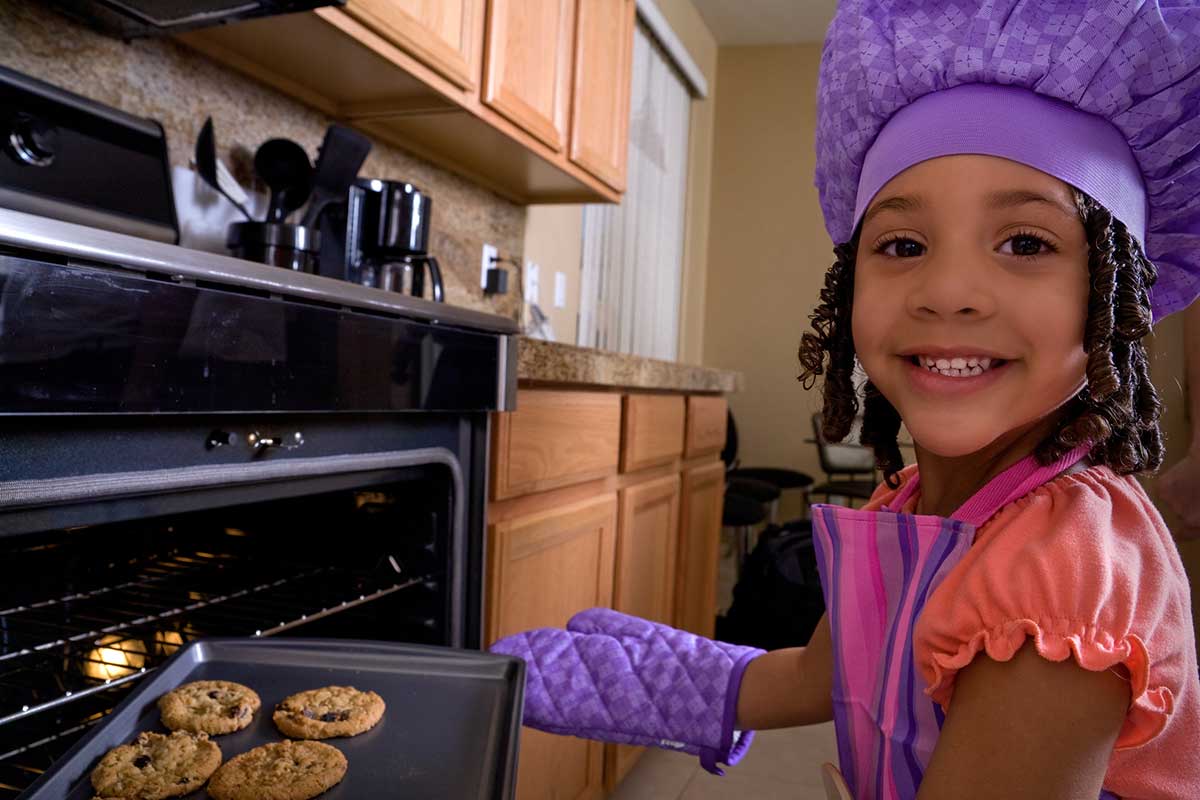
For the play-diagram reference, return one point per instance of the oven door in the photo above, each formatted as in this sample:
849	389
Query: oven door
108	574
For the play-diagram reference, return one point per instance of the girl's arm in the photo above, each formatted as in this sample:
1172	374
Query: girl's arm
791	687
1027	727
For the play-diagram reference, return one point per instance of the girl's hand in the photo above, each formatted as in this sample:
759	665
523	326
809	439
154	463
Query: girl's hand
1179	488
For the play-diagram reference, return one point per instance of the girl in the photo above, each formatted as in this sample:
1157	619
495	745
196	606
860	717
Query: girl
1016	192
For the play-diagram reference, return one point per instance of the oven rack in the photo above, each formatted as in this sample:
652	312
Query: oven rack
62	649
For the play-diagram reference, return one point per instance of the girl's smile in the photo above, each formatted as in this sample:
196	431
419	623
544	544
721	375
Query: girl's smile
970	298
936	381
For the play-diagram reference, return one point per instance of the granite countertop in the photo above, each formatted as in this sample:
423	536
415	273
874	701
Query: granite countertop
553	362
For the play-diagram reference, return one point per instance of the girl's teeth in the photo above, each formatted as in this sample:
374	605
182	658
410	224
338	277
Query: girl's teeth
957	367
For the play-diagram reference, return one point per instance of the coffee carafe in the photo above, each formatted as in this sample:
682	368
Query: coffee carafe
387	238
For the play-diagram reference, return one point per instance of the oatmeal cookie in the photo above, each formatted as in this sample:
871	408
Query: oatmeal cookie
327	712
156	766
279	771
209	707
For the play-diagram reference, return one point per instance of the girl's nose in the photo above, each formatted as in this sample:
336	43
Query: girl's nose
950	287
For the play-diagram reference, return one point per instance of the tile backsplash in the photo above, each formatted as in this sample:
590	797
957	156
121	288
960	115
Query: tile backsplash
164	80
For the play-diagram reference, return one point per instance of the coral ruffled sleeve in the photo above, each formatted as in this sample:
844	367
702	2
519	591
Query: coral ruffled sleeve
1084	568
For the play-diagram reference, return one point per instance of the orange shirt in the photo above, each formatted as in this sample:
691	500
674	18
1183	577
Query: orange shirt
1085	567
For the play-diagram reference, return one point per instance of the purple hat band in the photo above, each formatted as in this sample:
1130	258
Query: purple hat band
1017	124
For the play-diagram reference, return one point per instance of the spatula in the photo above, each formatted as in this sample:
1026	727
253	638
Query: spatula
342	155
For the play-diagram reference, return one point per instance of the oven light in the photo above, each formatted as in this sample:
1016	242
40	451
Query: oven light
115	656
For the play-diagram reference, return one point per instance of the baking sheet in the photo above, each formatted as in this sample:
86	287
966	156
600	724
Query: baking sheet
450	729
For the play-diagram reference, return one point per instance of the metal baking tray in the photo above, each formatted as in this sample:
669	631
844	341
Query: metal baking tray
450	729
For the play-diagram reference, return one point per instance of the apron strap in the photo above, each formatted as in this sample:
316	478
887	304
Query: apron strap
1014	483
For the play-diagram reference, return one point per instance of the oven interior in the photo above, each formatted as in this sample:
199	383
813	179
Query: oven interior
86	611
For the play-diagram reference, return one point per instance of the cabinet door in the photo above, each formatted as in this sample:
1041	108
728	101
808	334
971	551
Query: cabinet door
528	64
543	568
702	501
445	35
706	423
553	439
647	533
600	95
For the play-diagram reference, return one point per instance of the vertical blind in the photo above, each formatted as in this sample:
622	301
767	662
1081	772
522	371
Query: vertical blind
633	252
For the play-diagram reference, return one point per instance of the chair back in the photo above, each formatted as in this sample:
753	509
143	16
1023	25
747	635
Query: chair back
838	458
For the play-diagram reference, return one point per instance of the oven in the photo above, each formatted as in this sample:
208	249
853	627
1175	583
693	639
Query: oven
193	446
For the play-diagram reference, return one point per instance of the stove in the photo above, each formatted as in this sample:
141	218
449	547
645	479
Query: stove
193	445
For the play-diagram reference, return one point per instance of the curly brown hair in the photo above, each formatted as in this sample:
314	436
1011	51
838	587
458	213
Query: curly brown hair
1118	409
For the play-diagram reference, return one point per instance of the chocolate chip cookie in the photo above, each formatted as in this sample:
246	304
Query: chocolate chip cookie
209	707
156	766
327	712
279	771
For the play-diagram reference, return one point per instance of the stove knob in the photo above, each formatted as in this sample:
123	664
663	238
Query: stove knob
33	141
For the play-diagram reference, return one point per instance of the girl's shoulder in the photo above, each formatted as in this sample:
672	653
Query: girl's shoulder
1094	504
1085	567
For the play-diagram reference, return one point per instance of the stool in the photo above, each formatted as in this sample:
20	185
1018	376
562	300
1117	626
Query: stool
745	507
783	479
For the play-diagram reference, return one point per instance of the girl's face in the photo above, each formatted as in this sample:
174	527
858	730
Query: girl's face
977	267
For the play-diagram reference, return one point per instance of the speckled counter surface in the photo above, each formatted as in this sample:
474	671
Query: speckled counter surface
554	363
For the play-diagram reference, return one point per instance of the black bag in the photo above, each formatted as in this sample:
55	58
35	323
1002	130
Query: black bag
777	601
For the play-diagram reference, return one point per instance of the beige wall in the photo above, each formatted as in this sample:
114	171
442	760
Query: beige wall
767	250
1168	372
552	237
688	25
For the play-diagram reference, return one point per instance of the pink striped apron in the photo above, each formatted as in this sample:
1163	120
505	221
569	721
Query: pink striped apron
877	570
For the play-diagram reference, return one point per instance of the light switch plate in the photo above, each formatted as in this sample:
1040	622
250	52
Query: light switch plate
560	290
532	281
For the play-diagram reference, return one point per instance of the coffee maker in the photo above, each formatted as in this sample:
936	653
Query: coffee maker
380	238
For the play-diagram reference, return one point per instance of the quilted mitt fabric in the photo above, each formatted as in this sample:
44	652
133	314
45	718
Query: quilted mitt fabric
618	678
1133	63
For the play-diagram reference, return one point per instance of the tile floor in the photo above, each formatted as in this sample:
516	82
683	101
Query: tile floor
781	765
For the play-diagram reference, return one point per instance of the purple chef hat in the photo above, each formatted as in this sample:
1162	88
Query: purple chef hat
1102	95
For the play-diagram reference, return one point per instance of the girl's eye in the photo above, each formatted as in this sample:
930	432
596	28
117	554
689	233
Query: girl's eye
1023	245
900	247
1027	245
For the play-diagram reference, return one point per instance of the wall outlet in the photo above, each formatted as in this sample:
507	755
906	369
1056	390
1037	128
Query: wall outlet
532	283
486	262
560	290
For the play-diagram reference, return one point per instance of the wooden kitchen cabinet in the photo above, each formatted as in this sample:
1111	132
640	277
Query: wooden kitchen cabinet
644	586
701	505
527	73
595	504
555	439
446	35
651	430
601	89
484	88
707	418
543	567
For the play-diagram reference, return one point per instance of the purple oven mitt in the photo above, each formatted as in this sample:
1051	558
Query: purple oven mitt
617	678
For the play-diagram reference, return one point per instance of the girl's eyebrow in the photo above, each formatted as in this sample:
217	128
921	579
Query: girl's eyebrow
1018	197
903	202
1009	198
